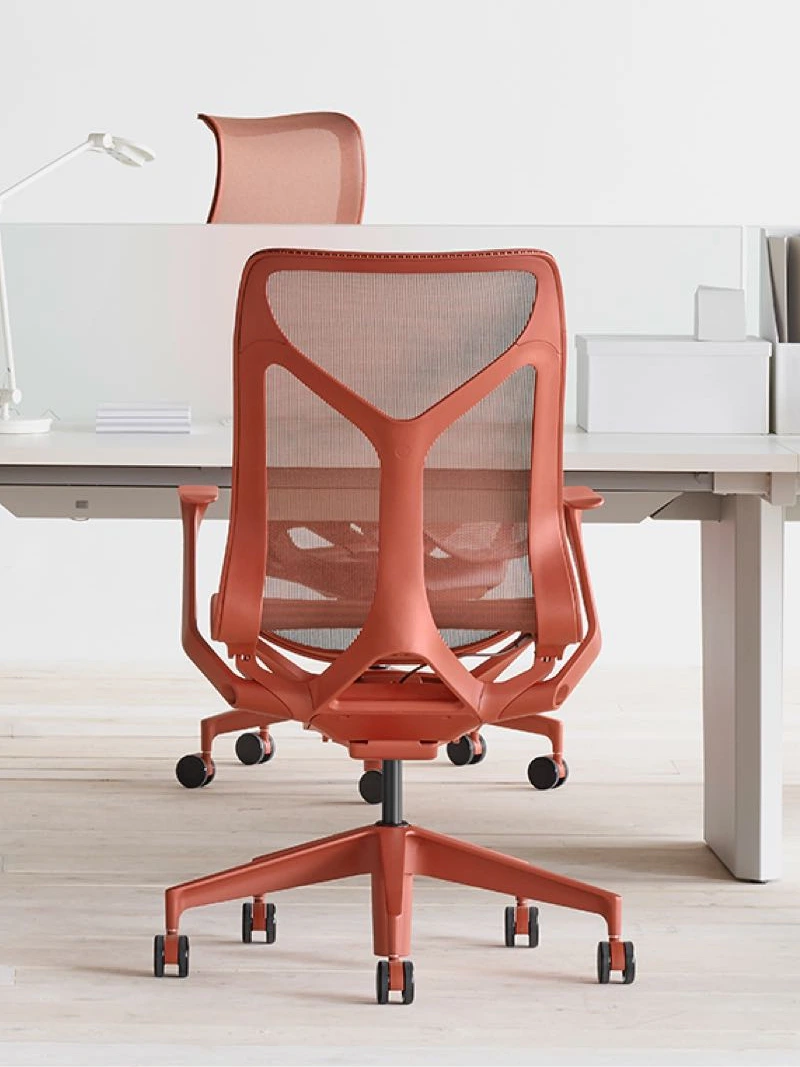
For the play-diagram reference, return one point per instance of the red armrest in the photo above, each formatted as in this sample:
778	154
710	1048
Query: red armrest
198	494
580	498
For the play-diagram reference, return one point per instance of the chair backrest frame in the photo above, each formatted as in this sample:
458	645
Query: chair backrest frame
400	619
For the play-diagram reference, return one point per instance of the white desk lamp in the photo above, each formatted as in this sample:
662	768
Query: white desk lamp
132	155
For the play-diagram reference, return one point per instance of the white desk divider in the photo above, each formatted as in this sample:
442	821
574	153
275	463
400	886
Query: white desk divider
138	313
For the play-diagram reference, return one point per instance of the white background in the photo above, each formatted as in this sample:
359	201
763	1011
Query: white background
509	111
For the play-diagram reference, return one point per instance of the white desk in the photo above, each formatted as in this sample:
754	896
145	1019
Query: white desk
735	486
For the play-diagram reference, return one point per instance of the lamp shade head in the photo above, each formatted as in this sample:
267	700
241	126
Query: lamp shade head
124	151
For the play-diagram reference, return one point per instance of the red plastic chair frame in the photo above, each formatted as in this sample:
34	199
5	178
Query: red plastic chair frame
400	619
288	693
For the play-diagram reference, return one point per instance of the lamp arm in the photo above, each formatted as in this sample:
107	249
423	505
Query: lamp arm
15	188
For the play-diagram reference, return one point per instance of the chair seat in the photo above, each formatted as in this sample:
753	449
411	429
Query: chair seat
488	616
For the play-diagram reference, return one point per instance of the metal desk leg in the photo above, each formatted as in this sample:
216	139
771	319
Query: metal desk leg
743	686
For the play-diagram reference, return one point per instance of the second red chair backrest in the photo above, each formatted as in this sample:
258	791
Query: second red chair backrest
306	168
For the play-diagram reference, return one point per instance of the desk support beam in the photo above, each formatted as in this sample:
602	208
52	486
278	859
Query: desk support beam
742	560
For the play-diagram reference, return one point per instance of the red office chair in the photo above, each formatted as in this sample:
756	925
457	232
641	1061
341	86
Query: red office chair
401	394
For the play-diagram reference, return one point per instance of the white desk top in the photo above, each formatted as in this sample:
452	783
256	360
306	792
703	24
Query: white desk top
80	446
792	443
210	446
678	452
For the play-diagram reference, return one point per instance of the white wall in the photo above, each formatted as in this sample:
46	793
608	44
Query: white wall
511	111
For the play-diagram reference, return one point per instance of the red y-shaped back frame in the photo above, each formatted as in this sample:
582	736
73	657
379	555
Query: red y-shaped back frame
400	621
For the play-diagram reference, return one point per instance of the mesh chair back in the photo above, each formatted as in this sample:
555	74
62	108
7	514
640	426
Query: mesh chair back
306	168
397	469
401	342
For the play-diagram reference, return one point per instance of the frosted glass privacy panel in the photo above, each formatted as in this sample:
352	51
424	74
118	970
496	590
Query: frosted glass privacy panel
630	384
141	313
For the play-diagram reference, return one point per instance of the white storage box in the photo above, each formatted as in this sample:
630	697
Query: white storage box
786	388
637	384
719	314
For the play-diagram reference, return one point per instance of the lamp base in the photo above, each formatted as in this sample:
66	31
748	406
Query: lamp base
17	425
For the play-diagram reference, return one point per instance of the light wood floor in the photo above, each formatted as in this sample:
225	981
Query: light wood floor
93	826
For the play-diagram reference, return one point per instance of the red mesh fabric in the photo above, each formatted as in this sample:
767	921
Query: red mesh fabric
306	168
322	541
402	342
476	513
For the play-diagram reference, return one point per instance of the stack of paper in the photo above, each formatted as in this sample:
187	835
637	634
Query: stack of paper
144	418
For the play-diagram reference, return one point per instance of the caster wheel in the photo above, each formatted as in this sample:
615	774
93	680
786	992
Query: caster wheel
561	781
183	956
382	982
461	752
479	757
193	772
604	962
511	926
543	773
251	749
159	955
370	786
247	924
408	982
629	973
272	929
